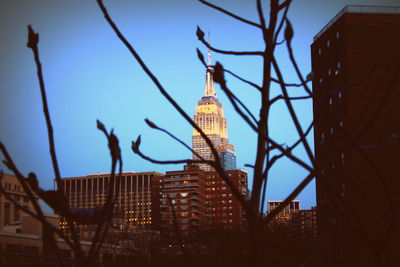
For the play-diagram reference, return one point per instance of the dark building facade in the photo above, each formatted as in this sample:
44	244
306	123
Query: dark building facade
356	71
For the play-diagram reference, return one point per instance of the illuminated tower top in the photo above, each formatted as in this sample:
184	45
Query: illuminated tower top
209	116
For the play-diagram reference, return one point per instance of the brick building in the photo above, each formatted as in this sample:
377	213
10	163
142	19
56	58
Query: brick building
356	64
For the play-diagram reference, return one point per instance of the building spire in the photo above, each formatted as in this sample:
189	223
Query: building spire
209	51
209	88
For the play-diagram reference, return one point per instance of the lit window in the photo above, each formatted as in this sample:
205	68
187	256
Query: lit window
330	101
340	94
337	35
331	130
328	43
329	72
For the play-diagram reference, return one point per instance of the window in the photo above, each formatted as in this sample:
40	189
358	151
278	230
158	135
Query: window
340	94
341	123
319	51
330	101
329	72
337	35
183	194
6	213
16	213
328	43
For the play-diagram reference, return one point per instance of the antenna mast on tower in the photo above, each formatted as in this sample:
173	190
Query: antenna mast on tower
209	51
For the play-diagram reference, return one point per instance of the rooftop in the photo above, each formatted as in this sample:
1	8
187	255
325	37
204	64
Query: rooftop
360	10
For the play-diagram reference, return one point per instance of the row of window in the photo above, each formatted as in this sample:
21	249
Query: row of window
328	43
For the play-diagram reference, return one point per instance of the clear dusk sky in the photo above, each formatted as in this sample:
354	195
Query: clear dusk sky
90	75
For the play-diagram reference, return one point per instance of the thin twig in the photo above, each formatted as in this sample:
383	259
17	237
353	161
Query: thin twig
33	39
293	113
243	80
22	180
234	53
154	126
230	14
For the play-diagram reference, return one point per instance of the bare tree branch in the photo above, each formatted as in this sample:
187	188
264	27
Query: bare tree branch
154	126
293	113
230	14
292	59
33	40
200	35
243	80
22	180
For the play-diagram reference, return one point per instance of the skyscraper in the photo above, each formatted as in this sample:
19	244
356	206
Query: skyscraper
210	118
356	65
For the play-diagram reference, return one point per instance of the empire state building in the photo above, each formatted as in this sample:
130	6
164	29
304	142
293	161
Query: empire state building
210	118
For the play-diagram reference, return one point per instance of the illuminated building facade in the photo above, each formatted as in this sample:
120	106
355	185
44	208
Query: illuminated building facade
137	204
182	202
202	201
209	116
222	208
355	65
287	212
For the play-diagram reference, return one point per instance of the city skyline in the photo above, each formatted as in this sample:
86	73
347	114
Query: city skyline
89	75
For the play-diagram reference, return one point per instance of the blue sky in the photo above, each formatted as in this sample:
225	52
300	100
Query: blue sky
90	75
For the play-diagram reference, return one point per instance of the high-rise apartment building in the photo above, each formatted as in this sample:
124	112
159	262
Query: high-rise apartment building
224	211
137	204
210	118
193	201
182	204
356	84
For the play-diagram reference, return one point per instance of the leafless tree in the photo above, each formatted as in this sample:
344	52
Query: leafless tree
275	30
56	198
